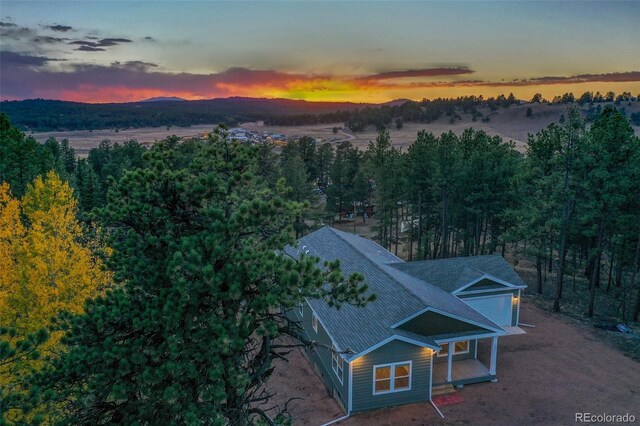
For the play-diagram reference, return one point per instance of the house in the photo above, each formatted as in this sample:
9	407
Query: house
435	323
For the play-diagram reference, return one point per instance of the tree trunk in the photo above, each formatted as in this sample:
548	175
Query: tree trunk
611	259
539	274
568	164
636	264
397	228
410	255
595	273
445	212
419	248
484	236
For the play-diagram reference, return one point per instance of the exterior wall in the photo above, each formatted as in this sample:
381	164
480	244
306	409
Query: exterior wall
514	306
321	356
394	351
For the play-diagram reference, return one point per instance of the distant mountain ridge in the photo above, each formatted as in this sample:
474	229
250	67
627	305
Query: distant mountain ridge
163	99
48	115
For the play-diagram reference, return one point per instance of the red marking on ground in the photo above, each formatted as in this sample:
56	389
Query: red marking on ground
450	399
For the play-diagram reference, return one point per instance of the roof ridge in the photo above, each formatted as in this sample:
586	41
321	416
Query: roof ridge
446	259
379	266
339	232
382	267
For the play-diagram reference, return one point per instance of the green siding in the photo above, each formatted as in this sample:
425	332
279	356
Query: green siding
514	306
434	324
394	351
321	356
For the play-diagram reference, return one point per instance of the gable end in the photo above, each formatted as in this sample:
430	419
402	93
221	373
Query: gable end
434	324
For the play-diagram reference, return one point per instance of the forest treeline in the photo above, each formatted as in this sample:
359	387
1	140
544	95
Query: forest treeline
570	204
175	243
46	115
447	195
427	111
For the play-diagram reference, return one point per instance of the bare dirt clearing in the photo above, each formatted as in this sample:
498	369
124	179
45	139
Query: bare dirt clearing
557	369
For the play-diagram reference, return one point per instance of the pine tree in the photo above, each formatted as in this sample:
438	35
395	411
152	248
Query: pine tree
189	332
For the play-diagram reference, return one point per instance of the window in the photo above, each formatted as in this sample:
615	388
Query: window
301	310
314	322
337	363
461	347
394	377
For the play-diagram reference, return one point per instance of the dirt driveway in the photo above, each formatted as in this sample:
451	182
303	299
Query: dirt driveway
544	377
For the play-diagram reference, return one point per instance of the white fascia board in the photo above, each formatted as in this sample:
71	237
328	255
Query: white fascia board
487	277
489	290
390	339
470	337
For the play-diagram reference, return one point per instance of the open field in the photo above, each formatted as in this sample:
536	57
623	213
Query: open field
84	140
544	377
508	123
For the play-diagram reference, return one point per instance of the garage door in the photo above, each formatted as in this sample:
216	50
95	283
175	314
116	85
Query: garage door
496	308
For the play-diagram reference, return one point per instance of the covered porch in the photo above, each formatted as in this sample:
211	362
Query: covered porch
462	372
468	370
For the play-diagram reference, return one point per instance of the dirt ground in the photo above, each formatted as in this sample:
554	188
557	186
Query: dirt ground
544	377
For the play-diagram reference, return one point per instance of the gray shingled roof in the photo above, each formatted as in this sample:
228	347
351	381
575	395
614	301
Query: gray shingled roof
454	273
399	295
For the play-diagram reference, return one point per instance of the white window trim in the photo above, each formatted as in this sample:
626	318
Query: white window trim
314	322
339	363
444	354
392	377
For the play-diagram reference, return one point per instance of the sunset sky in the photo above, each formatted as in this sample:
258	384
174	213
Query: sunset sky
118	51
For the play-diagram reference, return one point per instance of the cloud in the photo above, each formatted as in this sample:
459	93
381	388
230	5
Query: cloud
149	38
15	32
85	43
49	39
59	28
28	76
113	41
425	72
90	49
20	60
20	38
134	65
615	77
96	46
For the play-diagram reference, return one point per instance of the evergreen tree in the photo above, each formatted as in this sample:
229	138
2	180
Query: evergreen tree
19	157
190	330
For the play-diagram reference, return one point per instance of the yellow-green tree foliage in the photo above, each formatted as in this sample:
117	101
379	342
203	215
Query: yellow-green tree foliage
46	263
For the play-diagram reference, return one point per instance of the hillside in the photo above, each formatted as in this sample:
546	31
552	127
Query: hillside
51	115
509	123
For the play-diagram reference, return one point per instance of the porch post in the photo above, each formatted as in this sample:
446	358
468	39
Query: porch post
449	360
494	355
